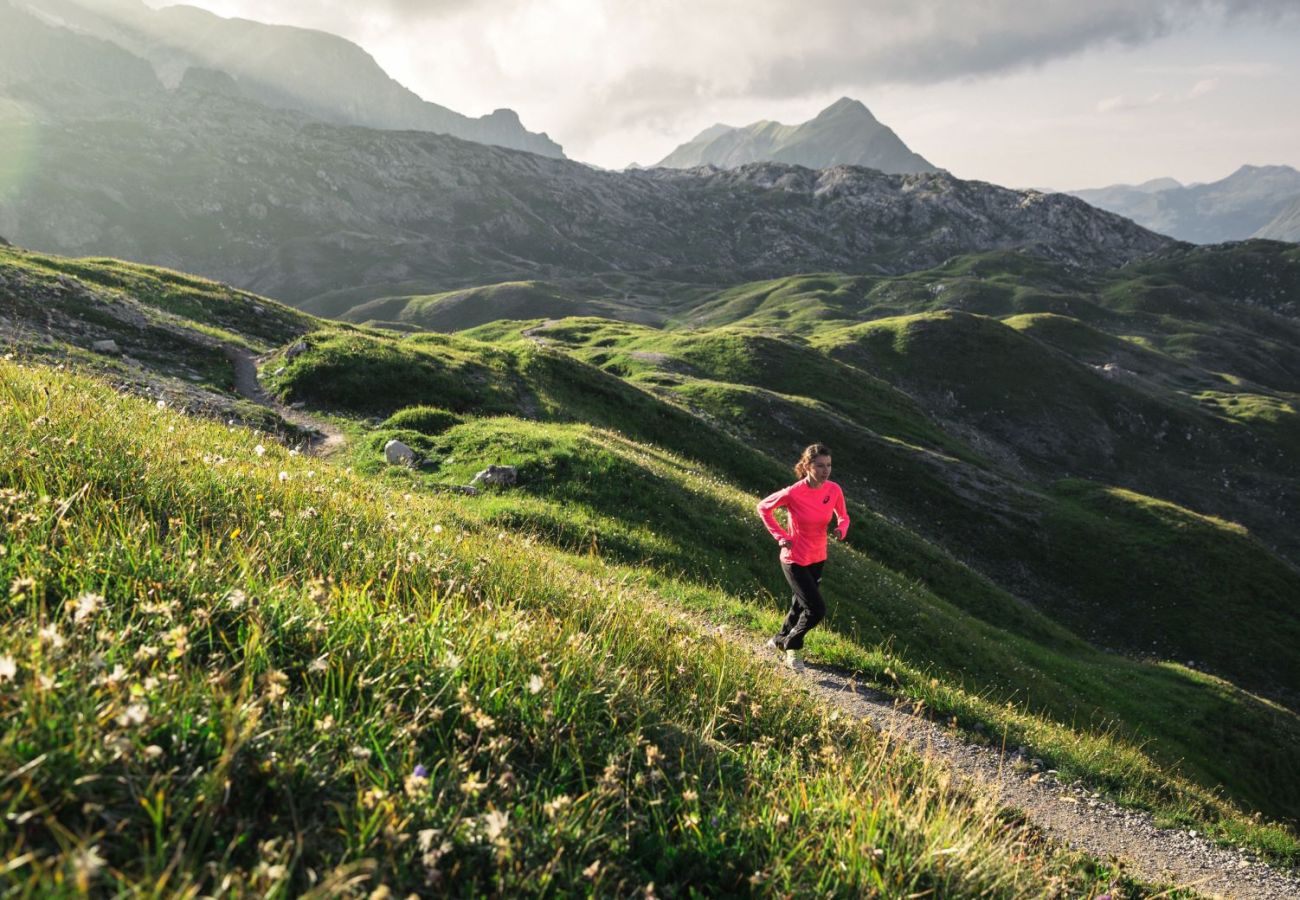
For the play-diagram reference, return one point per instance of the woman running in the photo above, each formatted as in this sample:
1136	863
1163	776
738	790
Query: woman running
810	501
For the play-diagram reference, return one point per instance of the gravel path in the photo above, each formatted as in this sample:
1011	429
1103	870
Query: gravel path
324	437
1067	813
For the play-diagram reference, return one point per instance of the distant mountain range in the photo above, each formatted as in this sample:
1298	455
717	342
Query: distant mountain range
271	200
320	74
1254	201
100	156
843	134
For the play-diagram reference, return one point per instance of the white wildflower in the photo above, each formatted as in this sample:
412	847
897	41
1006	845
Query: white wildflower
51	637
135	714
284	476
259	450
8	668
114	678
535	684
554	807
494	823
87	862
86	606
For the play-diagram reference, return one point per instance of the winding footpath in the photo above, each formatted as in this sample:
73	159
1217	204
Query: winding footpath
323	438
1065	813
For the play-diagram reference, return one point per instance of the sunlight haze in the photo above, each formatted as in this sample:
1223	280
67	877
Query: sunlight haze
1070	96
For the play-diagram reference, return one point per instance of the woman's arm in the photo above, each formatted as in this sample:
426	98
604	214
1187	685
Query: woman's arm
765	512
841	516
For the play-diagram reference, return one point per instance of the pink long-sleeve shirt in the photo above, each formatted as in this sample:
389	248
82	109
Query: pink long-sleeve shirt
810	512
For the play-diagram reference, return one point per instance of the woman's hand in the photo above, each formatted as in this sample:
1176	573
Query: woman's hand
783	543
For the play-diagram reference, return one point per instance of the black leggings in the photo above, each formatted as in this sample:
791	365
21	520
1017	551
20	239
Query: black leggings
807	608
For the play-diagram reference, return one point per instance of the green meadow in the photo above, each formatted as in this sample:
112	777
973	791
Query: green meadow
232	668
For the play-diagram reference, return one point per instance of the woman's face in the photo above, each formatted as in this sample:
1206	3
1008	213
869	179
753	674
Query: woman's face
821	469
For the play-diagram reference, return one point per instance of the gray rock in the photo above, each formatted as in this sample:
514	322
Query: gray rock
499	475
398	454
107	346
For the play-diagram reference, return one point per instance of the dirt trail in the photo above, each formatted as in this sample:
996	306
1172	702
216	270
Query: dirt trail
324	438
1064	812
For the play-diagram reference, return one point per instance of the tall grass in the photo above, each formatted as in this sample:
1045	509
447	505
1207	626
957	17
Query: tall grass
227	670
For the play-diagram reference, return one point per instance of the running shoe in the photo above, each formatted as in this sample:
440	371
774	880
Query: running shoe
794	660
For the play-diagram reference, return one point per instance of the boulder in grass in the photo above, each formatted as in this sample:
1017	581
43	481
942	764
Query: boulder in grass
499	475
296	350
398	454
107	346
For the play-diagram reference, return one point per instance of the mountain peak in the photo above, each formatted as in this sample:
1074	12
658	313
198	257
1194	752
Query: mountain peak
843	134
1249	170
845	107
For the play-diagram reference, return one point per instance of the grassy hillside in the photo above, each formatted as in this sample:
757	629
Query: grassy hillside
588	489
230	667
458	310
968	454
174	333
640	455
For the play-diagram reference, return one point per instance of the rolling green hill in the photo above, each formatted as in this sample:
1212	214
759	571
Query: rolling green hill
1019	601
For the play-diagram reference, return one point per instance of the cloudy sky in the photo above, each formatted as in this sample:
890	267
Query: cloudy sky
1049	93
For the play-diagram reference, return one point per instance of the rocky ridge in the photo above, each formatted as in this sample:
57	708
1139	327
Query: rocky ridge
320	74
275	202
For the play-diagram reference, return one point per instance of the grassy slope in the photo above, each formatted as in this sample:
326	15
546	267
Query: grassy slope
587	489
458	310
904	463
171	329
1182	713
223	667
